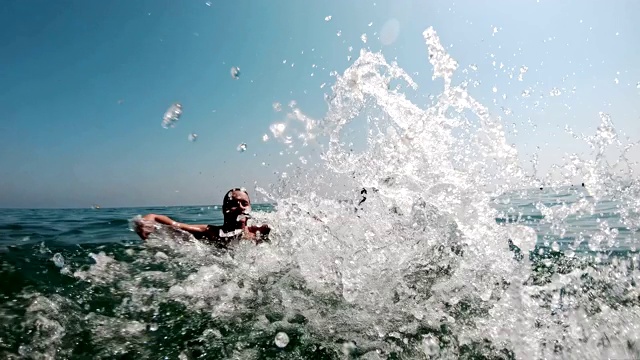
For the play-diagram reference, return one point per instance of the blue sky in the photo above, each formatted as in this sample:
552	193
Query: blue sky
85	84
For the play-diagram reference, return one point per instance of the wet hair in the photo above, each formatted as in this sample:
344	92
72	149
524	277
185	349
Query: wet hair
227	196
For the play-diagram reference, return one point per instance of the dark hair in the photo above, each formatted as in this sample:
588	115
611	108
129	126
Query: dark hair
226	198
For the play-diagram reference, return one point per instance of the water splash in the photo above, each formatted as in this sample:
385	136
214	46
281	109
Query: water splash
426	246
384	250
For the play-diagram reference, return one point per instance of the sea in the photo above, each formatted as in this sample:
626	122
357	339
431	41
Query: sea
431	241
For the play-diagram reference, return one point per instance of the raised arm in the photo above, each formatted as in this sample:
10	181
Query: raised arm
145	227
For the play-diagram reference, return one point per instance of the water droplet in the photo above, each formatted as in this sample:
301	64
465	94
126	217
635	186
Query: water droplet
327	18
193	137
495	89
555	92
235	72
339	33
277	129
526	93
277	106
265	137
495	31
523	69
58	260
208	3
555	246
172	115
616	81
638	85
363	37
153	327
282	339
242	147
323	85
371	23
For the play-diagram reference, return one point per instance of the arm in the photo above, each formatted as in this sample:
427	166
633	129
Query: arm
145	227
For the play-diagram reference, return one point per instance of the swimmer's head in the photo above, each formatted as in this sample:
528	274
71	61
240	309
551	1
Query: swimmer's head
236	205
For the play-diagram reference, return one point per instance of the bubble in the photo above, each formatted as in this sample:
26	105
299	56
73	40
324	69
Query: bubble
153	327
494	89
348	348
265	137
58	260
277	106
473	67
369	24
363	37
525	93
555	246
242	147
192	137
616	81
430	345
339	33
235	72
327	18
638	85
282	339
171	116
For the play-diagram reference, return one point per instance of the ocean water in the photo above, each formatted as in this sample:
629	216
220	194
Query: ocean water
458	250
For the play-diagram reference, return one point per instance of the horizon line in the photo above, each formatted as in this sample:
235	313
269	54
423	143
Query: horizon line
116	207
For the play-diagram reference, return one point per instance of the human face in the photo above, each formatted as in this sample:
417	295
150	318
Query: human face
236	203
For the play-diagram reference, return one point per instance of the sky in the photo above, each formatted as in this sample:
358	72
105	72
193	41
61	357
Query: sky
85	84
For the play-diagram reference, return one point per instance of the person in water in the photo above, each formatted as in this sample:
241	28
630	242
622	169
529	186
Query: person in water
236	207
